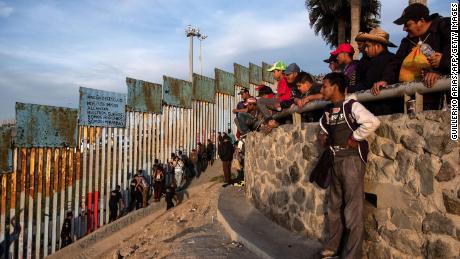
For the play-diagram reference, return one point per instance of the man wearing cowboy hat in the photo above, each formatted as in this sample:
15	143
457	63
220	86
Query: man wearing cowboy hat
422	28
376	44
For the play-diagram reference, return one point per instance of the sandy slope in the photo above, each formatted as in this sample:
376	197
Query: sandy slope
189	230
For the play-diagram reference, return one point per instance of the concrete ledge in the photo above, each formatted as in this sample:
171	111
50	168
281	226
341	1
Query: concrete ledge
263	237
83	245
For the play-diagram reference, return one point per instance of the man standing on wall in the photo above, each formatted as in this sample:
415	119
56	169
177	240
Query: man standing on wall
345	125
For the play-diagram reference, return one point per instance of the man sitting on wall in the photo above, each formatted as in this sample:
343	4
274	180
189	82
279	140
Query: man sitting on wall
249	121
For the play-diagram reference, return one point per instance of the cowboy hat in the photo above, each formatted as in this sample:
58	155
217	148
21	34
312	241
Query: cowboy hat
376	35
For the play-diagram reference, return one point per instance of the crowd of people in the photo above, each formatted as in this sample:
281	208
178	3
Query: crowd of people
423	55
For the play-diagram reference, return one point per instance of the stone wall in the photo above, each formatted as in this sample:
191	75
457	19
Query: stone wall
412	209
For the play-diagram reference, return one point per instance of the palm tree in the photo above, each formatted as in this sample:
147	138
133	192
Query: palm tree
332	18
355	15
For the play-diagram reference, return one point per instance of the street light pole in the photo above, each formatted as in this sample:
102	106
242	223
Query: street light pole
191	32
190	59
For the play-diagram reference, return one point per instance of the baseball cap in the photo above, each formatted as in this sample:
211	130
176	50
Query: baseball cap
265	90
259	87
243	90
344	47
292	68
414	11
250	100
279	65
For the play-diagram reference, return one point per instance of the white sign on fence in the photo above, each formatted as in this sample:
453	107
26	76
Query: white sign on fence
102	108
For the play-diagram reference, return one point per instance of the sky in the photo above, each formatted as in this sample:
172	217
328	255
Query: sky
49	48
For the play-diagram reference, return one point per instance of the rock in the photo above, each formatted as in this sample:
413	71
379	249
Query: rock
375	146
389	150
376	250
403	221
439	145
310	152
278	164
388	131
299	196
282	219
296	137
413	143
293	209
437	116
425	166
446	173
439	249
294	173
416	207
310	201
279	199
370	229
452	204
297	225
381	216
437	223
396	117
389	169
416	127
404	240
405	161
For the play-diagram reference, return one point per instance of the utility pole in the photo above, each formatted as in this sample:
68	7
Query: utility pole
191	32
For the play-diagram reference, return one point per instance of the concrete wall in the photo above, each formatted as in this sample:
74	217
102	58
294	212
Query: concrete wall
413	207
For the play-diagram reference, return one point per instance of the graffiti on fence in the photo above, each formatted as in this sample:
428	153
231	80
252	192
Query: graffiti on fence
143	96
102	108
45	126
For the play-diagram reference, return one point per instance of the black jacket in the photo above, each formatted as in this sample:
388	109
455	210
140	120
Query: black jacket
226	152
374	72
439	40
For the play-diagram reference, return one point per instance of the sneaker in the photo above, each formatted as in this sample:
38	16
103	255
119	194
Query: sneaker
239	184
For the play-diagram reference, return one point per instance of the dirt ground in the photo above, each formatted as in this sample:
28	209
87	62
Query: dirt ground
189	230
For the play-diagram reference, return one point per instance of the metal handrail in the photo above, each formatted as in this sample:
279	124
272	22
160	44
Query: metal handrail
395	90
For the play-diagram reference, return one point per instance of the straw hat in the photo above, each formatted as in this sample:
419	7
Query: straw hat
376	35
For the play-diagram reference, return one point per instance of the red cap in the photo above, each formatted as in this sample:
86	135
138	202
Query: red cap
260	87
344	47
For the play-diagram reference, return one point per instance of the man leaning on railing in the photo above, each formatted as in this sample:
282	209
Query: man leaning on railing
424	54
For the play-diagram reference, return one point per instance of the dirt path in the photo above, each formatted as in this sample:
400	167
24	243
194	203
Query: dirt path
189	230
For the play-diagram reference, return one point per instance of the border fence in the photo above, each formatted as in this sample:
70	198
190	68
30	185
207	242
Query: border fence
54	160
